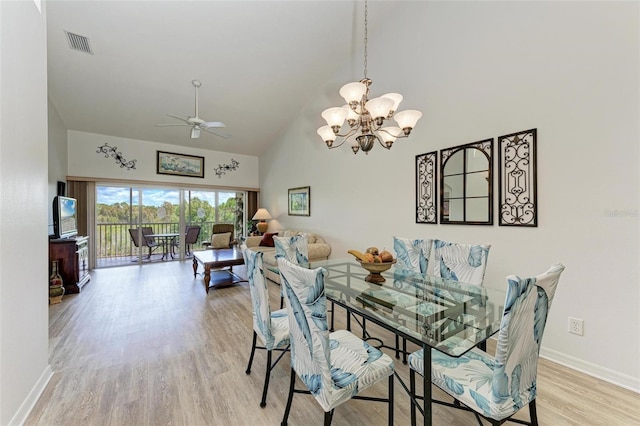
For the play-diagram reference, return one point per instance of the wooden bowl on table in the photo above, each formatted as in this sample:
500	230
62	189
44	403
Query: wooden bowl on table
375	270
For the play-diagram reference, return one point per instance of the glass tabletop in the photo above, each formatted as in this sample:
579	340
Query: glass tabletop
450	316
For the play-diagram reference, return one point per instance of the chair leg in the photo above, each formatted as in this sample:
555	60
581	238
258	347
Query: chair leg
533	413
263	403
290	398
328	416
253	351
412	389
391	402
397	347
404	351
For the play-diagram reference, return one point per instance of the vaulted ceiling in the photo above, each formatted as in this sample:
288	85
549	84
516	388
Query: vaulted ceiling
259	62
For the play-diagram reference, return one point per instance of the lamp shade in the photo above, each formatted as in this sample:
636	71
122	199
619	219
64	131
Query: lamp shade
334	116
262	214
396	97
379	107
353	92
407	119
326	133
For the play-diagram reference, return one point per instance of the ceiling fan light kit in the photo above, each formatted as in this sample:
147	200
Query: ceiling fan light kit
196	123
365	116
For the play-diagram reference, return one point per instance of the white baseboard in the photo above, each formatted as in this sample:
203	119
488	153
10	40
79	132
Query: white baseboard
602	373
30	401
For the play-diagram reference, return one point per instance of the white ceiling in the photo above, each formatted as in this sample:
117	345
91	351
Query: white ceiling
259	62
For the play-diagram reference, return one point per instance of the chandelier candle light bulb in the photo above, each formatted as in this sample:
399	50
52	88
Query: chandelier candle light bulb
365	117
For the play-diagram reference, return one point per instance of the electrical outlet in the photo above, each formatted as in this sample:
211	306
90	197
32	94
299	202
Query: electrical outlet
576	326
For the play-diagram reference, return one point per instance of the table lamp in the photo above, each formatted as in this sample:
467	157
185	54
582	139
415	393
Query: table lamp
262	215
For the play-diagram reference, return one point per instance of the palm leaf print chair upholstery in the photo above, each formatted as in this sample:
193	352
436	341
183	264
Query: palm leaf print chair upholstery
271	327
497	387
295	250
460	262
411	255
334	367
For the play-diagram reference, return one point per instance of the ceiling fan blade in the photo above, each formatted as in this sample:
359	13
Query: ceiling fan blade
172	125
186	120
210	124
217	133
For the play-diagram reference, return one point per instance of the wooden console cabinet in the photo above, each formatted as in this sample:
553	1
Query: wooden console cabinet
72	255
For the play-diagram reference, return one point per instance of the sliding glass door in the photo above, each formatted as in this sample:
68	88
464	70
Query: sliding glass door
163	213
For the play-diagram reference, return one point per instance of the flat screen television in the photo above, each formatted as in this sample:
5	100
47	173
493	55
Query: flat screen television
65	223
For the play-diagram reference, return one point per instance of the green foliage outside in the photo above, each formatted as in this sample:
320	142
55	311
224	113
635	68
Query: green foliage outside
114	220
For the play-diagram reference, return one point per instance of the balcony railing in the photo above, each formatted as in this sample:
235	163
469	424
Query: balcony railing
113	241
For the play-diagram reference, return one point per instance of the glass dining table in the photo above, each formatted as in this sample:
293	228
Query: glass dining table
432	312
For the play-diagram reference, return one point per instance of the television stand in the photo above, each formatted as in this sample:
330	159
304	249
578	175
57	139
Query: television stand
72	255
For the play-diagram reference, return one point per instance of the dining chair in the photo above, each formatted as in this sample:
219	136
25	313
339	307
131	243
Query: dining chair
460	262
150	243
334	366
412	254
295	250
271	327
497	387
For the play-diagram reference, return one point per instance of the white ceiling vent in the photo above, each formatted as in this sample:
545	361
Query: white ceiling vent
78	42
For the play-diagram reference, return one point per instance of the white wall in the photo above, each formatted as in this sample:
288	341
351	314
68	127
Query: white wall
85	161
484	69
24	368
57	150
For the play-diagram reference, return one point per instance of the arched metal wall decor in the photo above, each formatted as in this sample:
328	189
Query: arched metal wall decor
466	184
426	188
518	191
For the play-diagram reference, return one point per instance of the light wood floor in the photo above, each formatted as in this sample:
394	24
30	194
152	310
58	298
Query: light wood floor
146	346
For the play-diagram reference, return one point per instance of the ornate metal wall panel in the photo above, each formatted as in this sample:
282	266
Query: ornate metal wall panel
518	179
426	188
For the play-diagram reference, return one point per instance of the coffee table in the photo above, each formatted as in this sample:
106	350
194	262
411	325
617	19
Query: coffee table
215	259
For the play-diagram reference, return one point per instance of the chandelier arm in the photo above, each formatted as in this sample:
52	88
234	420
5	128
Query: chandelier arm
350	133
338	145
382	143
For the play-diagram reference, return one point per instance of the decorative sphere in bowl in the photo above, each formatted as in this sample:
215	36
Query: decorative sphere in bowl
375	269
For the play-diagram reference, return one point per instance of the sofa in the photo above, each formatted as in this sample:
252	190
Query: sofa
316	245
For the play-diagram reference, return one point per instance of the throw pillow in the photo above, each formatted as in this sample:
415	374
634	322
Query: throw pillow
221	240
267	239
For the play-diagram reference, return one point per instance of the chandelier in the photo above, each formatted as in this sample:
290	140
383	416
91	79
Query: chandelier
366	117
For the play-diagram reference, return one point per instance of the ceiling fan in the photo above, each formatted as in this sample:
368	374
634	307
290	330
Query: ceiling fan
196	123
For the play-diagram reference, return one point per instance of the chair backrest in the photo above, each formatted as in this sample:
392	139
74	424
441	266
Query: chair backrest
136	240
221	228
259	295
460	262
412	254
192	234
527	305
134	236
147	230
308	328
294	249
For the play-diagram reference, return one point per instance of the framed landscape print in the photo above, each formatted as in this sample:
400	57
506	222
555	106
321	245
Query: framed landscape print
170	163
300	201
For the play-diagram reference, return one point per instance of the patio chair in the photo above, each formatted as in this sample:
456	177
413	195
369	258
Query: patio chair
497	387
150	243
217	231
334	367
192	232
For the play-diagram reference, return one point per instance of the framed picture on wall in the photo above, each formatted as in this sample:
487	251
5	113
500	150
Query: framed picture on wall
300	201
170	163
